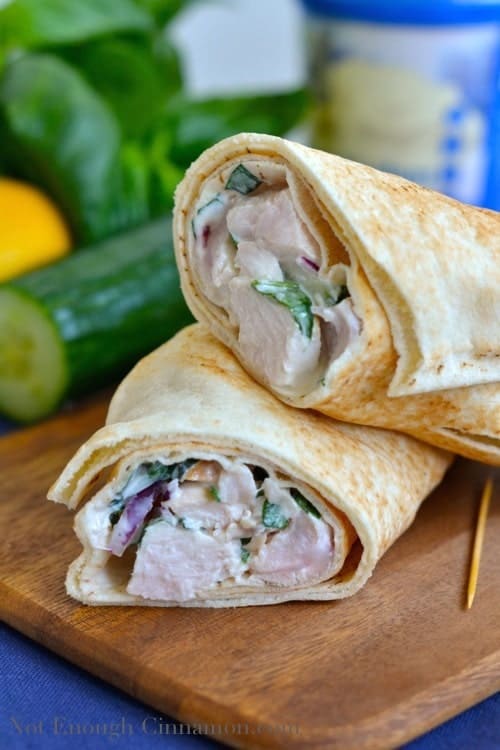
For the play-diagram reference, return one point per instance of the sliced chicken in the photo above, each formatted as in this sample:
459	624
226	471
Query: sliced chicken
196	506
300	552
225	499
252	235
214	522
237	486
342	326
255	262
271	339
176	564
271	219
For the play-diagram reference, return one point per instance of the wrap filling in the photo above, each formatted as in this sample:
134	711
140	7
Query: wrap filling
188	527
257	259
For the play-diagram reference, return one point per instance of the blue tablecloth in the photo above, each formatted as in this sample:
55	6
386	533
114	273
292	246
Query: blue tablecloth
45	702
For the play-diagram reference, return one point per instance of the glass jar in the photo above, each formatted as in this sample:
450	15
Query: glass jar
411	87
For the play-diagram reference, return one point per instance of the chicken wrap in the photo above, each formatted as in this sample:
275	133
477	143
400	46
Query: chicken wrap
347	290
203	489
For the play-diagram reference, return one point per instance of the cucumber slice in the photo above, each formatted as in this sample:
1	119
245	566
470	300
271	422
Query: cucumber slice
81	323
33	367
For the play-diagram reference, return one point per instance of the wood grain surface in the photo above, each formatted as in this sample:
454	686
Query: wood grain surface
369	672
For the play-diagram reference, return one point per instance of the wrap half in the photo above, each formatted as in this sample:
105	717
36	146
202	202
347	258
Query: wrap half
347	290
218	494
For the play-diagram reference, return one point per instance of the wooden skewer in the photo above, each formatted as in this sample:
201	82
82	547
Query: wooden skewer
478	541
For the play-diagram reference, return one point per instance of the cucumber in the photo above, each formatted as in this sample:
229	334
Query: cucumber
82	322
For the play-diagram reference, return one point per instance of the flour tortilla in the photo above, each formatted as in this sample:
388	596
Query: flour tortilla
192	396
424	275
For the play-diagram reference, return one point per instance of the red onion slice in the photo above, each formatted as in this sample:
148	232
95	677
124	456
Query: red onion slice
133	516
311	264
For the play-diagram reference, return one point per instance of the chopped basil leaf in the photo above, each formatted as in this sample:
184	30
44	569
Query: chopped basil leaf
272	516
242	180
233	239
245	554
322	381
303	503
178	470
292	296
161	472
246	539
117	504
158	471
214	492
114	517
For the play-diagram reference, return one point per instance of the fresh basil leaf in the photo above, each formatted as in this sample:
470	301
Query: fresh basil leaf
130	206
242	180
165	10
304	503
37	23
114	517
117	505
245	555
163	173
59	134
273	517
214	493
159	471
179	469
292	296
126	74
197	124
169	64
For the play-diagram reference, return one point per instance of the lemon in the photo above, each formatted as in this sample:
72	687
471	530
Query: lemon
32	230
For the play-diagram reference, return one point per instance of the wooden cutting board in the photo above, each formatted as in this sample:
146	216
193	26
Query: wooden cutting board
369	672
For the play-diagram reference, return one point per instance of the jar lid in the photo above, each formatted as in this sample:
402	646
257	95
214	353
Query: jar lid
426	12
